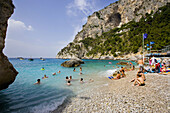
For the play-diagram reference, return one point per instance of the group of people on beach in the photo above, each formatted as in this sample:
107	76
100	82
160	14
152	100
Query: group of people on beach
140	78
157	65
121	73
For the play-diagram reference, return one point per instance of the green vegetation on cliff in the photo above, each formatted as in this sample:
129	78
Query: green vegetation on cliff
129	38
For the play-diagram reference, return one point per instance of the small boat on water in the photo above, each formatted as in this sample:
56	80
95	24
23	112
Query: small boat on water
30	59
42	59
20	58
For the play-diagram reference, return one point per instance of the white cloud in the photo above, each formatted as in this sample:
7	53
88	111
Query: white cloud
85	6
18	25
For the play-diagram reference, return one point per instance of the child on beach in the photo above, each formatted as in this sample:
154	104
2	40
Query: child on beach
38	81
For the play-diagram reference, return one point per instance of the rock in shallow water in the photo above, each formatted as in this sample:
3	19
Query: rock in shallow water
74	62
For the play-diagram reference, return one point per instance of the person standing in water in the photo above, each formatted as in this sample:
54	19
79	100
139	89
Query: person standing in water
80	68
74	69
59	71
70	78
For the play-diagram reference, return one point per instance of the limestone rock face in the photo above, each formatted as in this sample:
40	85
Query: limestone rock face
7	71
114	15
75	62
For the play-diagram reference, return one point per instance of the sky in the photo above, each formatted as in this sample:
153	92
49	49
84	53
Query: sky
41	28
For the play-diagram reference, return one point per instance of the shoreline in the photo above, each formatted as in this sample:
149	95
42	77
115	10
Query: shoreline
121	96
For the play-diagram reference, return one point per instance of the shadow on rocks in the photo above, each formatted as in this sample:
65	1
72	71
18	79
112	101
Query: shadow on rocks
66	102
85	98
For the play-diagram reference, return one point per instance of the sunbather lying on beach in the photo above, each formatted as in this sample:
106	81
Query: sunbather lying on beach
118	76
139	81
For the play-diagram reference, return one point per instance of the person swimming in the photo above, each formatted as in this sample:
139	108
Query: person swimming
42	69
44	77
81	73
67	78
38	81
59	71
81	80
74	69
69	83
70	77
54	73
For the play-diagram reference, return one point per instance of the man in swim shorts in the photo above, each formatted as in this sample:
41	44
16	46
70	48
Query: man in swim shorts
140	62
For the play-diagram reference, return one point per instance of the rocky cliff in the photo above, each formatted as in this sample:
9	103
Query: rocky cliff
7	71
112	16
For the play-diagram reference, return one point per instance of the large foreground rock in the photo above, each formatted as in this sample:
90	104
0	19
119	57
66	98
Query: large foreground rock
74	62
7	71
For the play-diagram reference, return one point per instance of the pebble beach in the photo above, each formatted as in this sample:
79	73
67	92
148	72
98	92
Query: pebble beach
121	96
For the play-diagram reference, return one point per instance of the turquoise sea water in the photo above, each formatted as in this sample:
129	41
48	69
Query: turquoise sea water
24	97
